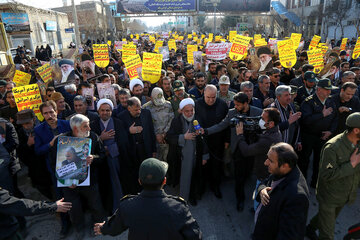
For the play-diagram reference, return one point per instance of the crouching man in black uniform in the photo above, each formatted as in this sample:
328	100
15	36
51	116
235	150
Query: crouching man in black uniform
152	214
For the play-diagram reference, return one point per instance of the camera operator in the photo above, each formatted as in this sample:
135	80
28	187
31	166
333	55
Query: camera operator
242	166
269	123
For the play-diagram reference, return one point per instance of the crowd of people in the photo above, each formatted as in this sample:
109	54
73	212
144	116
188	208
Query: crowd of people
221	120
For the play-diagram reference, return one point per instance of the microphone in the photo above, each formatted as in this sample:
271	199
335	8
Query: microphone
196	125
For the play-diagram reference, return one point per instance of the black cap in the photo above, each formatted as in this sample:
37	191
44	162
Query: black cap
152	171
325	83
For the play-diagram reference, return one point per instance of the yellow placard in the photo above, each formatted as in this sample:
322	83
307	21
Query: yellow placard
314	42
124	40
239	47
131	64
189	36
316	58
128	50
132	36
211	36
45	72
151	68
28	97
158	44
152	39
232	34
137	36
202	36
287	53
324	49
217	38
109	42
256	37
172	44
101	55
296	38
180	38
260	42
343	44
195	38
356	52
190	53
21	78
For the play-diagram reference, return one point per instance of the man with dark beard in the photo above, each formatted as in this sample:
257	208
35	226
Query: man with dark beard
200	83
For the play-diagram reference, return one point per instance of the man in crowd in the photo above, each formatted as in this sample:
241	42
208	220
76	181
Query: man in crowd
269	125
338	181
319	120
166	87
147	215
224	93
220	70
162	115
63	110
284	197
346	103
244	75
242	166
186	153
247	87
274	75
80	107
179	95
45	135
9	111
136	87
124	95
38	173
210	110
308	88
80	127
289	125
299	81
142	135
189	77
263	92
200	83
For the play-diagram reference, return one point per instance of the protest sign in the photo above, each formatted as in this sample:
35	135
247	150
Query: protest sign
109	42
314	42
190	50
133	66
216	51
172	44
239	47
119	45
106	91
316	59
71	167
356	52
101	55
343	44
45	72
260	42
287	53
198	60
88	93
164	51
128	50
151	70
232	34
158	44
272	43
296	38
211	36
28	97
21	78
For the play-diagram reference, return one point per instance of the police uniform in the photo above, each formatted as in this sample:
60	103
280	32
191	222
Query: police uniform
338	180
153	214
313	124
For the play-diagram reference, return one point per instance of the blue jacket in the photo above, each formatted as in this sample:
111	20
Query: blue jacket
44	135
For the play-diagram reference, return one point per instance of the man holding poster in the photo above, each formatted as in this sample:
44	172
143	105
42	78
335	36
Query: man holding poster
80	131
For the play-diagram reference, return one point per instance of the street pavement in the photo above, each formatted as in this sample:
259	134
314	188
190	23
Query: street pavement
218	218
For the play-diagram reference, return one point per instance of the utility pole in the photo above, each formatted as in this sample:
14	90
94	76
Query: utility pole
104	20
214	31
75	20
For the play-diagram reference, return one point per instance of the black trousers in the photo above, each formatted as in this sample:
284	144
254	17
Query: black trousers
91	195
310	143
242	170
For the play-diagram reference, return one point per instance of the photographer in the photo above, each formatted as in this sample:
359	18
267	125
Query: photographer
242	166
270	135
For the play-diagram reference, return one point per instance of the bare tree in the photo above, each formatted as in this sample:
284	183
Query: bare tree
336	11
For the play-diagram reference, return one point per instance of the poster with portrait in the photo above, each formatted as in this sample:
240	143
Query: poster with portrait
88	93
60	70
106	91
264	56
71	168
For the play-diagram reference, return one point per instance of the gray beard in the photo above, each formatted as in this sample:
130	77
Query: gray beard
189	119
84	134
65	75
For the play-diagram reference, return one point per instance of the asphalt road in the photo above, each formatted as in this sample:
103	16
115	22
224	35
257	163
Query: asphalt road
218	218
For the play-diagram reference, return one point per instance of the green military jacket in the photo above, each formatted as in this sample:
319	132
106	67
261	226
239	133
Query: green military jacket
175	102
338	181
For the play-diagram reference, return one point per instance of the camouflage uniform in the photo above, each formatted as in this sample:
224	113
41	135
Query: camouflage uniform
228	98
162	116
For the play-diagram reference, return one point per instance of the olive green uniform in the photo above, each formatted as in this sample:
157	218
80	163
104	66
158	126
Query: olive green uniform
337	184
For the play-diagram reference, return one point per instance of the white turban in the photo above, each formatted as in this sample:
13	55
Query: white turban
186	101
105	101
135	82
